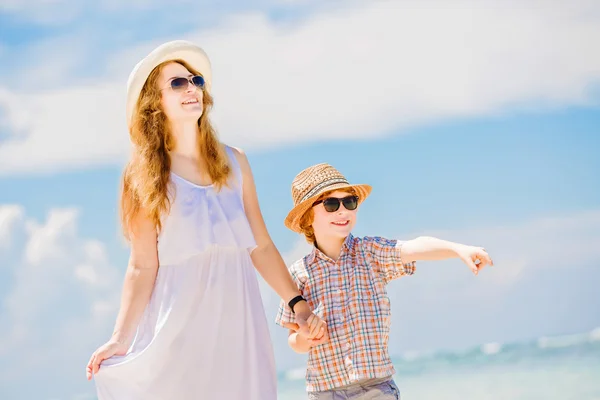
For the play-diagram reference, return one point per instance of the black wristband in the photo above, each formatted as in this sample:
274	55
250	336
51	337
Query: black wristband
295	300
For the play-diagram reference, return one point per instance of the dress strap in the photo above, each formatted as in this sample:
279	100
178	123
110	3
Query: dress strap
235	166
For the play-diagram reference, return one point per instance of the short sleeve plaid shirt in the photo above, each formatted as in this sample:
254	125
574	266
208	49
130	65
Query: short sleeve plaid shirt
350	295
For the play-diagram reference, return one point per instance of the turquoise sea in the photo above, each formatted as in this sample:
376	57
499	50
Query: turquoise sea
548	368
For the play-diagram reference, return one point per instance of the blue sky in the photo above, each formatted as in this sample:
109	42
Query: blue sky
474	124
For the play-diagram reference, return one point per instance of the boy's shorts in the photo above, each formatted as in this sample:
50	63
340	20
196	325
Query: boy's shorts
372	389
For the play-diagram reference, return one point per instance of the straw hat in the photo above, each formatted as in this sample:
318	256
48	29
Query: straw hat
312	182
175	50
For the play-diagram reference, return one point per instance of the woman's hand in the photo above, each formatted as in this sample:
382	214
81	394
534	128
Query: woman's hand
311	342
107	350
310	326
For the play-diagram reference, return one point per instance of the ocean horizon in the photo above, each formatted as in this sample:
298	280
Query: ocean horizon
550	367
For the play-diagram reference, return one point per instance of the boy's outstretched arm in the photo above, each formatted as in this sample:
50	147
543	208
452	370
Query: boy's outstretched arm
429	248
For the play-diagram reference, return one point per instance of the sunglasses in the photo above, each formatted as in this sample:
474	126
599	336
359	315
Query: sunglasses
181	84
332	204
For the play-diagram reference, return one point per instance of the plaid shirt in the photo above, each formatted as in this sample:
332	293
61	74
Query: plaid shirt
350	295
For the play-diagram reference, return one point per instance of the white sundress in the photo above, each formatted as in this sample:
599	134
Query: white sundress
204	333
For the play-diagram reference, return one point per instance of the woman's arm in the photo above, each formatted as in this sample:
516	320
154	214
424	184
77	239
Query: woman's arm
139	279
267	259
137	289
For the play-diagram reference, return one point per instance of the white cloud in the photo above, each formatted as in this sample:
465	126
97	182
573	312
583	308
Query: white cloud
52	12
56	12
352	73
70	128
13	5
61	299
542	245
10	217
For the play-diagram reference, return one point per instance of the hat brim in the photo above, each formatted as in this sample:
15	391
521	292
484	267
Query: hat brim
292	221
175	50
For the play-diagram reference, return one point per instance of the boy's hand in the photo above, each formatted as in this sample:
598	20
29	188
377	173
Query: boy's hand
324	338
475	257
309	325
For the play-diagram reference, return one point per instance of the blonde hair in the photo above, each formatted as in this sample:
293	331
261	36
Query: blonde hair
146	176
308	217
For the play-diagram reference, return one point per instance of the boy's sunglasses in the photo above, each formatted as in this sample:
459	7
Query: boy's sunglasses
181	84
332	204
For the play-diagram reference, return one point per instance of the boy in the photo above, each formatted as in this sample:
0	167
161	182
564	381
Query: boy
344	281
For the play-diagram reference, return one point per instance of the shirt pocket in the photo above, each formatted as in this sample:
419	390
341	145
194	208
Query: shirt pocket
374	304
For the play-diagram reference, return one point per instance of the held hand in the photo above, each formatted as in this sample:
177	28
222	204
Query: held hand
316	342
310	326
107	350
312	342
475	257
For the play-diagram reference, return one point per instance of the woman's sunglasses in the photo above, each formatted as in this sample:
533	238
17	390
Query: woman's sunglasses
181	84
332	204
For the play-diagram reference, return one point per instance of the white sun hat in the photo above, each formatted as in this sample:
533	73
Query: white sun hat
175	50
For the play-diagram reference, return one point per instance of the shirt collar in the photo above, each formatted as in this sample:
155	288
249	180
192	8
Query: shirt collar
316	253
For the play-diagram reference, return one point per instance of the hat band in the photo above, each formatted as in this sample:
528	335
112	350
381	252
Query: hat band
323	185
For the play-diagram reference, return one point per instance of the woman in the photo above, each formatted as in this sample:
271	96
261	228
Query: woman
191	323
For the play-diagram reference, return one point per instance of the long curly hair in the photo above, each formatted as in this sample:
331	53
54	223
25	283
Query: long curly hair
146	177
